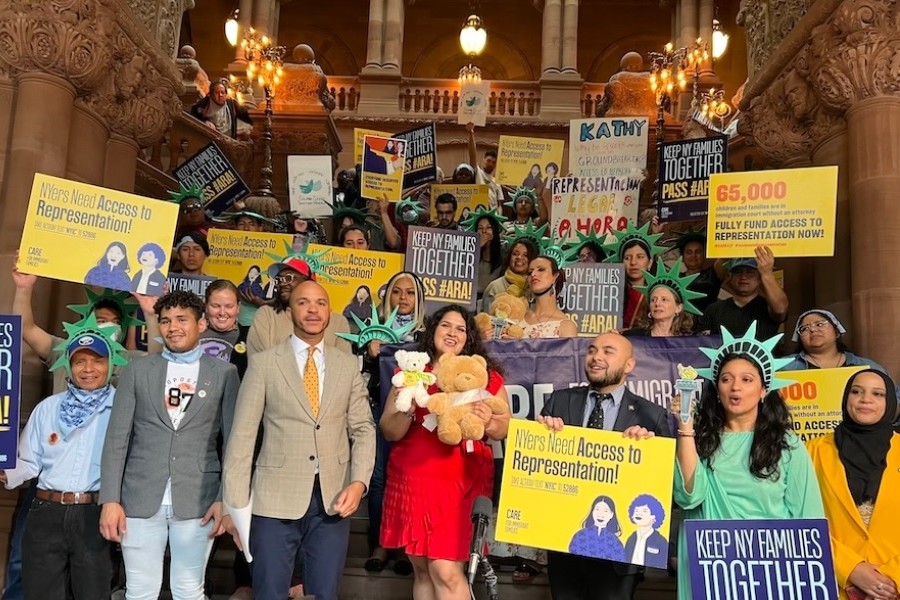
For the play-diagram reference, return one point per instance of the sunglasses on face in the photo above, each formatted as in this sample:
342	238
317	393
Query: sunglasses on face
192	208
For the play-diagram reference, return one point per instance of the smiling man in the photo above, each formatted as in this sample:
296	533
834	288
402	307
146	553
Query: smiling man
605	403
317	454
161	476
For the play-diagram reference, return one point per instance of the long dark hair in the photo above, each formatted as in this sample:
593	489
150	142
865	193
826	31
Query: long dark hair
495	245
613	524
773	422
473	344
531	250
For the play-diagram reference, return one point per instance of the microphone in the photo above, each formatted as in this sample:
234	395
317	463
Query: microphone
481	517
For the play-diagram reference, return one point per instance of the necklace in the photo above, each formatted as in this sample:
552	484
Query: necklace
837	363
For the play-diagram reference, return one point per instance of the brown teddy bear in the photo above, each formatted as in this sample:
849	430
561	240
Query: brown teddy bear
503	316
462	379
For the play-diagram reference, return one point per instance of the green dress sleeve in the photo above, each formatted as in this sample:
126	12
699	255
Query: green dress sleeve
694	498
802	496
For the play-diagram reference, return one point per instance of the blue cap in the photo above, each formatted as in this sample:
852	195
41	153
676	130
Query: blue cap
88	341
737	263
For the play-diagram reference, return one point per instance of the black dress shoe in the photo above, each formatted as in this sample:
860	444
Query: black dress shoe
403	567
374	565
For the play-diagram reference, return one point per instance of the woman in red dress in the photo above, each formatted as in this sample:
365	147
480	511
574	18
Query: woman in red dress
431	486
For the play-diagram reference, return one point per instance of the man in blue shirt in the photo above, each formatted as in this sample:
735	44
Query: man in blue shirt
61	446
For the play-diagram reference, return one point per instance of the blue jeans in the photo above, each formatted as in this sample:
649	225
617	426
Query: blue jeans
375	497
144	549
13	589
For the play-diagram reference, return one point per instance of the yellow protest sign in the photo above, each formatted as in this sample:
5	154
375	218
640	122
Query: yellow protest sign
468	197
383	168
354	278
529	162
814	400
602	488
359	137
790	210
106	238
242	257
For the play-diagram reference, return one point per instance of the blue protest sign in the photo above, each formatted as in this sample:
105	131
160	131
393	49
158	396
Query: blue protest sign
10	388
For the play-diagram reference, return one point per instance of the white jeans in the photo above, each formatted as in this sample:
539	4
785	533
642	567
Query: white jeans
144	549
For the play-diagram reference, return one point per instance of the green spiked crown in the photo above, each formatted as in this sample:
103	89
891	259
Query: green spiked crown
683	238
183	193
409	211
471	222
126	304
641	235
340	209
521	192
316	261
88	328
573	247
383	332
748	345
552	248
233	216
529	231
672	279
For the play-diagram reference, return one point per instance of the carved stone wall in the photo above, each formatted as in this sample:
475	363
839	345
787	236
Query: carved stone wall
162	18
100	48
767	23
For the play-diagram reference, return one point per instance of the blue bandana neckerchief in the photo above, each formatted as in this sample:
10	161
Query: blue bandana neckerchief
80	405
402	320
191	356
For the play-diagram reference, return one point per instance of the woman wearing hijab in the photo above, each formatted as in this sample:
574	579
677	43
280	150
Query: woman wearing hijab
858	467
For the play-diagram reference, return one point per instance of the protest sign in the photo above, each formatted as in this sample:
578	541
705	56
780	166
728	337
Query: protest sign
355	278
814	400
420	155
447	263
242	257
473	103
209	169
581	473
309	185
764	559
10	388
592	204
195	284
359	138
608	147
383	168
593	297
685	167
790	210
468	198
89	234
528	162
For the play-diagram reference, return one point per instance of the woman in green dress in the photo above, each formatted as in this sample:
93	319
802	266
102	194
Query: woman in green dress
736	456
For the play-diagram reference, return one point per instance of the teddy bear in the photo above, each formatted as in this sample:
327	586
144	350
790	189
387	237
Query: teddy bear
462	380
503	316
412	379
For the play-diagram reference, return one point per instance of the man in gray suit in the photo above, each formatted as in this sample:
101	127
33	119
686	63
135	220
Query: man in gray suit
317	454
605	403
160	472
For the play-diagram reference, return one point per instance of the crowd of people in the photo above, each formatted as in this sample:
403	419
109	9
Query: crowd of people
251	406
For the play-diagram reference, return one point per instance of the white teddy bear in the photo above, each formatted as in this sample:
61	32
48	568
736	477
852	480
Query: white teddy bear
412	379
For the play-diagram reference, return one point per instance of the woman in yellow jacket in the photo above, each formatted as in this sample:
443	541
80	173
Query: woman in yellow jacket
858	466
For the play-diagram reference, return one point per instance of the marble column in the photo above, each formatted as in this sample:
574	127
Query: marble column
376	33
833	273
551	37
244	23
873	127
689	22
707	12
121	163
570	37
87	148
262	15
393	34
7	102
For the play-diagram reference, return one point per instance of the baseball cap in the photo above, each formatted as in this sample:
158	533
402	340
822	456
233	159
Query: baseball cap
88	341
737	263
294	263
195	238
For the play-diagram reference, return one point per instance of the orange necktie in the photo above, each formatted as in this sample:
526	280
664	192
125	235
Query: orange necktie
311	381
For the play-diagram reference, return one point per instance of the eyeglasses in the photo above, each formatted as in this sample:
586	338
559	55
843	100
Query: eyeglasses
804	329
286	279
191	208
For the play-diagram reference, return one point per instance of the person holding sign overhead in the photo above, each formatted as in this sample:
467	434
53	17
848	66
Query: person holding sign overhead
857	465
736	454
605	403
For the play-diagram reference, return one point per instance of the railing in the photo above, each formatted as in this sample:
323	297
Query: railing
441	97
186	137
591	94
345	90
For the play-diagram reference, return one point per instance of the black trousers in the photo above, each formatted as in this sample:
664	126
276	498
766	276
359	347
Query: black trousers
63	550
580	578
